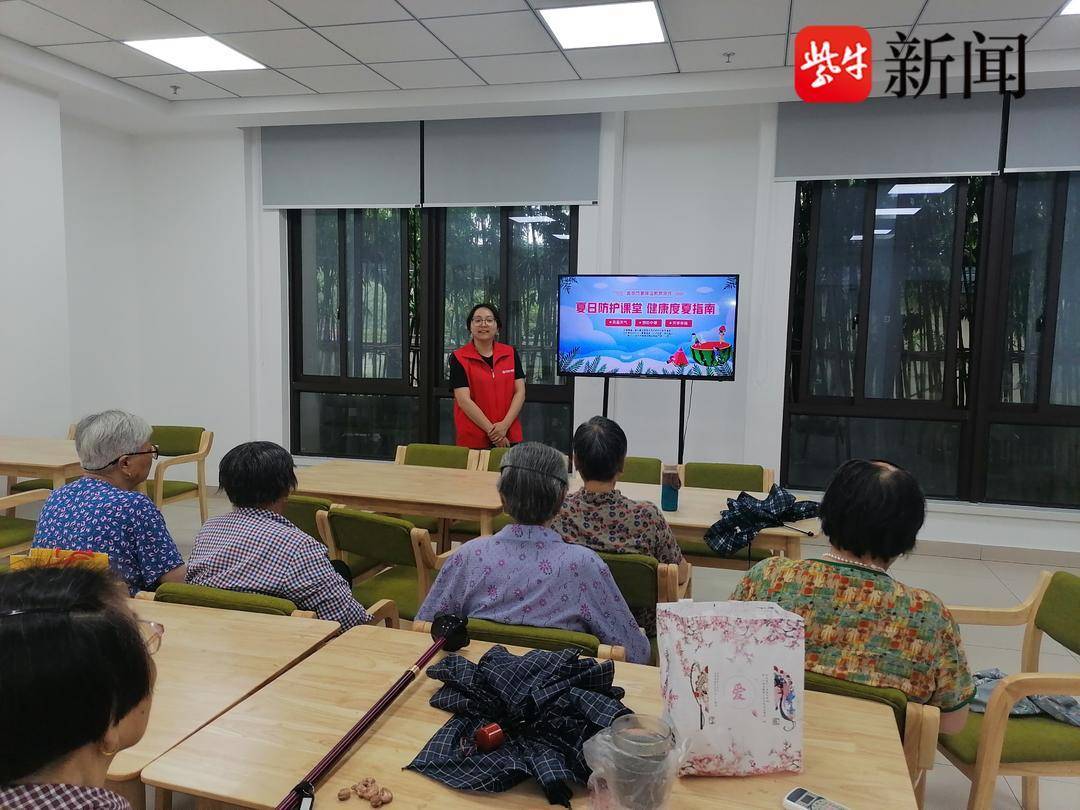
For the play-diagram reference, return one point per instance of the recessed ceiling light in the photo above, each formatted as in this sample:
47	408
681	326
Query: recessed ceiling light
920	188
605	25
195	54
528	220
884	232
896	212
1072	7
561	235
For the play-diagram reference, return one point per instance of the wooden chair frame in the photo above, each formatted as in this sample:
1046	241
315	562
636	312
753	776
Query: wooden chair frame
8	504
988	765
155	486
427	564
382	612
613	652
921	724
768	476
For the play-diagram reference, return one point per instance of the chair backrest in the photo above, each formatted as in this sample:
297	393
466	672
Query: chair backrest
641	470
181	593
1059	612
177	440
378	537
539	638
738	477
893	698
301	509
495	457
447	456
635	577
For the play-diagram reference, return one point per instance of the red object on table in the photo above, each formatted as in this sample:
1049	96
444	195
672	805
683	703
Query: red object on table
489	737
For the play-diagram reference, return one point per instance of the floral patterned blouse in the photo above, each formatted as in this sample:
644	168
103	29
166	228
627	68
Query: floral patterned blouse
528	575
865	627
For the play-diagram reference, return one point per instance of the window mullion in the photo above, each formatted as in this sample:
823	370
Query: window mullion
343	363
803	392
952	327
863	316
1053	289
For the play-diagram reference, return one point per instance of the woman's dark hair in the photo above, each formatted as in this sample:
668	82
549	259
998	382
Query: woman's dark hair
872	508
494	313
72	664
599	449
257	473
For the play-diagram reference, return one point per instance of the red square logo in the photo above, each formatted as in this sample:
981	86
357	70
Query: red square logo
832	63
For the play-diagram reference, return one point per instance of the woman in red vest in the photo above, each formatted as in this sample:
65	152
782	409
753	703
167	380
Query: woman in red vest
488	383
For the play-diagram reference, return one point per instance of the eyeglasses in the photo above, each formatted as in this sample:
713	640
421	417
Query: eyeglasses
154	451
483	321
151	633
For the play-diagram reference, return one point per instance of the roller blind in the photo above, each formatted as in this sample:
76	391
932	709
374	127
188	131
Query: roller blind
1044	131
341	165
507	161
889	137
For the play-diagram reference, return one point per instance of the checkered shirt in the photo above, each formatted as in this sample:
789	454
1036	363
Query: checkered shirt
60	797
261	551
547	703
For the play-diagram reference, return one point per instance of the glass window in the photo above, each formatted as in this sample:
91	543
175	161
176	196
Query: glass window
360	425
1065	376
473	242
373	290
910	286
1033	464
836	289
551	423
319	292
1025	313
539	253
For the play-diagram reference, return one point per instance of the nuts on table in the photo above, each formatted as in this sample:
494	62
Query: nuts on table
343	794
384	796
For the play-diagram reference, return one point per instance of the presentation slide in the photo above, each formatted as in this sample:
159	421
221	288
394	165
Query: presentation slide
648	326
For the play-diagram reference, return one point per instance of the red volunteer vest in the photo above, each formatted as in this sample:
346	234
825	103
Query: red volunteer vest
491	388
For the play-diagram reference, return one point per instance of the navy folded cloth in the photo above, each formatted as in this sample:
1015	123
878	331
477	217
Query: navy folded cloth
547	703
746	516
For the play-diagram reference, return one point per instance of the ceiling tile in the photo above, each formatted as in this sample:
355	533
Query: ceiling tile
1060	32
121	19
622	60
112	59
522	68
965	31
34	26
254	82
298	47
879	38
492	34
340	78
746	52
219	16
945	11
387	42
712	19
191	87
867	13
432	73
343	12
450	8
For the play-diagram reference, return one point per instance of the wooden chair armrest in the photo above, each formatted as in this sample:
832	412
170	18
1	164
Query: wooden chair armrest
1003	617
146	595
326	534
422	627
165	463
440	559
1025	684
921	725
667	582
684	586
613	652
20	498
399	454
303	614
385	612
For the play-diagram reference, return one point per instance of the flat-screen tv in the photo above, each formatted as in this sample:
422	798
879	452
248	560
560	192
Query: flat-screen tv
655	327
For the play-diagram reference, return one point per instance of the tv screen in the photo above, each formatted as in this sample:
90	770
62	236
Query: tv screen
648	326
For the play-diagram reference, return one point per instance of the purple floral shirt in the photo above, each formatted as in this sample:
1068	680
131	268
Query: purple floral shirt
528	575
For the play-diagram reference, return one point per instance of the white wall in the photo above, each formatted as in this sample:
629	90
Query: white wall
34	363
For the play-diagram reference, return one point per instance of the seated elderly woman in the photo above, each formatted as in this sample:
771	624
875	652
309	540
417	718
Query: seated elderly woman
256	548
102	511
601	517
861	624
525	574
77	680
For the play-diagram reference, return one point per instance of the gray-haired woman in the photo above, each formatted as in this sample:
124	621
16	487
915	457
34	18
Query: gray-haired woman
526	574
102	511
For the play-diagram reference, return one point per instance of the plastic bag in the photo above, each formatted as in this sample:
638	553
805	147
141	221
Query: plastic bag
634	764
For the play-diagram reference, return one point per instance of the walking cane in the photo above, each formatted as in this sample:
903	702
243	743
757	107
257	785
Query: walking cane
449	633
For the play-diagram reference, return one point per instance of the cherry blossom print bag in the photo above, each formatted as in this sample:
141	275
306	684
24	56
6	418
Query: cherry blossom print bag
731	676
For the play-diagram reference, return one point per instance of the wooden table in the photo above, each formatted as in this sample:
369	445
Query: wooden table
404	489
54	459
253	755
209	660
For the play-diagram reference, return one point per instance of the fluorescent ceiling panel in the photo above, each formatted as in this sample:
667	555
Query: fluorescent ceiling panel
562	236
896	212
919	188
1072	7
527	220
195	54
605	25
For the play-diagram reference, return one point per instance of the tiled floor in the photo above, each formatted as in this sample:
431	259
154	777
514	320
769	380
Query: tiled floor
957	581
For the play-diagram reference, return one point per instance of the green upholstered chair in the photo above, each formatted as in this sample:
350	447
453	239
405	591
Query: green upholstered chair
994	744
641	470
180	445
918	724
16	534
181	593
447	456
538	638
401	549
301	511
643	581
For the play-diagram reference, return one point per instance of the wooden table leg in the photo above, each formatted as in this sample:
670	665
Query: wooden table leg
486	525
162	799
58	480
131	789
793	548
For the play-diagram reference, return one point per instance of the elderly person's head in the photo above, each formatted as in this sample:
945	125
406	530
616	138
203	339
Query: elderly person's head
599	449
115	445
258	474
872	510
76	674
532	483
